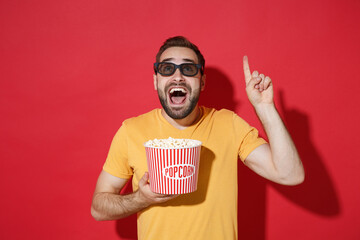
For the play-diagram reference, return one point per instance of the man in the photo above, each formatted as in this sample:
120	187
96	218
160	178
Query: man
211	211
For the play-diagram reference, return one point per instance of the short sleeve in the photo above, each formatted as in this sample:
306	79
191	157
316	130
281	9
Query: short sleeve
117	160
248	137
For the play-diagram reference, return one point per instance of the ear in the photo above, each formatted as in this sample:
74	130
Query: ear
155	82
202	82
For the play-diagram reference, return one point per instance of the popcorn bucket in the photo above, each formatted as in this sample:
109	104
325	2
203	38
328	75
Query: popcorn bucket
173	170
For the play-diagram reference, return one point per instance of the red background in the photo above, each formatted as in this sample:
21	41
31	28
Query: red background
72	71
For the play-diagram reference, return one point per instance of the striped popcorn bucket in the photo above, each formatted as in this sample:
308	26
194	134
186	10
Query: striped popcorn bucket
173	170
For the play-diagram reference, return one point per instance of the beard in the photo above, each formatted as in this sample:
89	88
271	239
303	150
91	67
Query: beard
182	112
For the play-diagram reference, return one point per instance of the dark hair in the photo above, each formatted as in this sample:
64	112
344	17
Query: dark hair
180	41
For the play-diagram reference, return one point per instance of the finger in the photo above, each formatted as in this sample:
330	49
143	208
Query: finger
246	67
160	196
165	199
261	84
267	82
254	78
254	83
167	196
255	74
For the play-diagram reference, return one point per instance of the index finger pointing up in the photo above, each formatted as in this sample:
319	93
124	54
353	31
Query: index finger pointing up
247	72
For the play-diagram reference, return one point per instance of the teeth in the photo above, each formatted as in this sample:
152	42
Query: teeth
177	89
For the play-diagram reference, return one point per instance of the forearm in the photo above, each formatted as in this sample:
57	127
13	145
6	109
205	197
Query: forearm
286	162
111	206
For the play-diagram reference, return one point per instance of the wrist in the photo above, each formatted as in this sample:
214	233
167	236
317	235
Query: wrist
264	107
141	200
266	112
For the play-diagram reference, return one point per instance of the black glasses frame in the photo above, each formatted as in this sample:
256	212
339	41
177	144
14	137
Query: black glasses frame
180	67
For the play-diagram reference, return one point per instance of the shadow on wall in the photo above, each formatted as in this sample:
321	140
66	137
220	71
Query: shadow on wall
316	194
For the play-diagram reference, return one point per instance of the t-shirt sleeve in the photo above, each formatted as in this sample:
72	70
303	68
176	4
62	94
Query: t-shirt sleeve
248	137
117	160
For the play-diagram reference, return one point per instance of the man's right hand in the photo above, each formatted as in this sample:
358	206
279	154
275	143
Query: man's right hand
108	204
149	197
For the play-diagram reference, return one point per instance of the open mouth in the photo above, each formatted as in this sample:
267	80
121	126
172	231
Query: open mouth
177	95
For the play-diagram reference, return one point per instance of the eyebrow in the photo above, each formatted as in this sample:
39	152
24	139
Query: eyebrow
184	59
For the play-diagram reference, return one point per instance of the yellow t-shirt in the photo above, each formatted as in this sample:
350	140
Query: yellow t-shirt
211	211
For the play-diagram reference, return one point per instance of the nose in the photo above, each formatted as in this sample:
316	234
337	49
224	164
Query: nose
177	76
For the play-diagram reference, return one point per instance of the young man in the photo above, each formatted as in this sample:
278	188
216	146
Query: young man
211	211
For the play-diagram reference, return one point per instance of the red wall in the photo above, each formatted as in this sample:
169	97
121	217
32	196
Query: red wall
72	71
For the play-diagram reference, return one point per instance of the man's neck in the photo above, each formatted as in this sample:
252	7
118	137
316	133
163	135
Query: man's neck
184	122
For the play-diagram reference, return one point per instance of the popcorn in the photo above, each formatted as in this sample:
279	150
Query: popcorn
172	143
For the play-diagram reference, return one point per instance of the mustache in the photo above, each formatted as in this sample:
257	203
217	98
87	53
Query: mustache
184	85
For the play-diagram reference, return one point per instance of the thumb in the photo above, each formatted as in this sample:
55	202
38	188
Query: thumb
144	180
